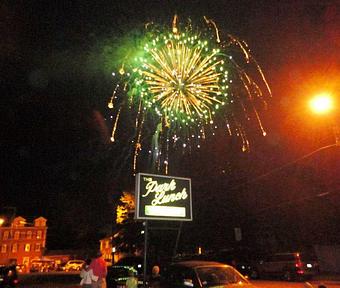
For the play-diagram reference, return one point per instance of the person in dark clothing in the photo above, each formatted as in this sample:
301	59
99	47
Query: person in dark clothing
155	279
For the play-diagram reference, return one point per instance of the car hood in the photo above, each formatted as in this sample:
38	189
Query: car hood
233	285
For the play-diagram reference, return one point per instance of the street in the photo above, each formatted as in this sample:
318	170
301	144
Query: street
282	284
71	280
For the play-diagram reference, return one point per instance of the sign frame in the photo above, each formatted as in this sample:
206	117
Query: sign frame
138	196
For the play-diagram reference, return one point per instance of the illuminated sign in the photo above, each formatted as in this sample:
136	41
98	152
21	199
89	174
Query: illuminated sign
163	197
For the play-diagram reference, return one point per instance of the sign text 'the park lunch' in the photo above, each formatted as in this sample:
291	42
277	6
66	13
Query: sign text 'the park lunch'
160	191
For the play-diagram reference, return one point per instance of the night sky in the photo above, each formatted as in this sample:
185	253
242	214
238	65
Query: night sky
56	157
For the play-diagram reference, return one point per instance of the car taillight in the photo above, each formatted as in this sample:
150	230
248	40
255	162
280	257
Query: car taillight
300	271
298	265
15	281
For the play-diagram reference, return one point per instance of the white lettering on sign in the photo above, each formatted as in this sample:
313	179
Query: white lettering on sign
160	192
154	187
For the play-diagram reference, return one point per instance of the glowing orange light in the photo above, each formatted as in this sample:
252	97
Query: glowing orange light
321	103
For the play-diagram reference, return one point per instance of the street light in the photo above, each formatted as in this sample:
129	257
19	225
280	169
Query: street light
323	104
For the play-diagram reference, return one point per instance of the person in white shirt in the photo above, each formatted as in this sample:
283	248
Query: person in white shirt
86	275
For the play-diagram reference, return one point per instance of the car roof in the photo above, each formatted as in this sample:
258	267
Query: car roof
198	263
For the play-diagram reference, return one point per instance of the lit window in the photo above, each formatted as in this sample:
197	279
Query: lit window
6	234
29	234
16	235
15	248
27	247
39	234
3	248
37	247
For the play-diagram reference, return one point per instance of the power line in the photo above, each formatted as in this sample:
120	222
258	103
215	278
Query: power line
273	171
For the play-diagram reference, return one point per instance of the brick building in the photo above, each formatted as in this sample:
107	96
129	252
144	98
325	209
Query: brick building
21	241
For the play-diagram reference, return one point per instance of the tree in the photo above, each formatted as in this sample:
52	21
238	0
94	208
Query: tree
126	208
128	235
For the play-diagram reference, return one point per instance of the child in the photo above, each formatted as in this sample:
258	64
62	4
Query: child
86	275
132	281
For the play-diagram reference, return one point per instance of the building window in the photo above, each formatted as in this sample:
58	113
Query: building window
39	234
27	247
16	235
29	234
6	234
3	248
22	235
15	248
37	247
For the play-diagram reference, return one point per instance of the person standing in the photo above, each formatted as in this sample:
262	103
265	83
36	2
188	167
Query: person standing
155	279
98	266
86	275
132	281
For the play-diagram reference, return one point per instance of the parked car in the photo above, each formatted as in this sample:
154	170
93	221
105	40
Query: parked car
288	266
42	265
8	276
136	262
200	273
118	274
74	265
240	258
21	268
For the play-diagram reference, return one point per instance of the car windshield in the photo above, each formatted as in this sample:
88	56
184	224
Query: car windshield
219	275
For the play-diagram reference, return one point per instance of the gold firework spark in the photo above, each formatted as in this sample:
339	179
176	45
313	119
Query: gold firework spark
185	79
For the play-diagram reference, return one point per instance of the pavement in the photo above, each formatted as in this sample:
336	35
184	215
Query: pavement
328	278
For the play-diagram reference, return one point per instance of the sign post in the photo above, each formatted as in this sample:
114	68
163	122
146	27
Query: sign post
161	197
145	251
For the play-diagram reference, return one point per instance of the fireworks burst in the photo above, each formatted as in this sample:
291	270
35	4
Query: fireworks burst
179	85
182	81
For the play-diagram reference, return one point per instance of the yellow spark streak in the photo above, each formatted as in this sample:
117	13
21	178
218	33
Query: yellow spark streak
138	113
110	104
174	25
115	125
262	75
208	21
243	46
264	133
138	146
